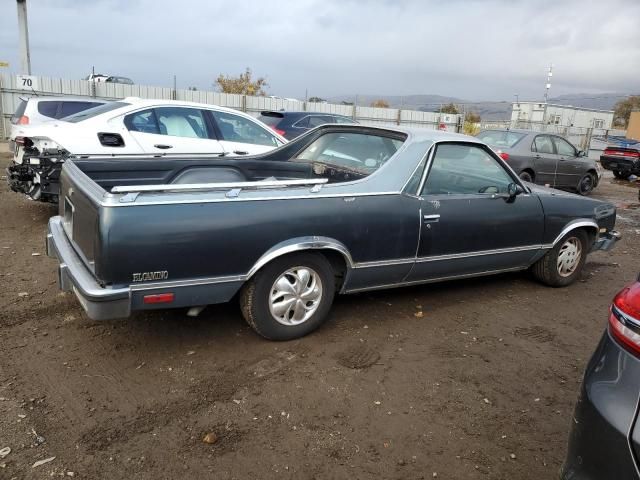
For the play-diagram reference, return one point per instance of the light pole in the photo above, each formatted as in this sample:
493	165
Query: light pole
23	32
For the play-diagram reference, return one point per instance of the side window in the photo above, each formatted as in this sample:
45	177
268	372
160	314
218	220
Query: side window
48	109
181	122
465	169
69	108
302	123
563	147
317	120
543	144
143	121
235	128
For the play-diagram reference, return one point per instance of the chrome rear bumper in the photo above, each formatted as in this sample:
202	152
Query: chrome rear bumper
99	302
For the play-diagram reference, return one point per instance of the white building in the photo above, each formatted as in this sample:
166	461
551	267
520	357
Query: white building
540	113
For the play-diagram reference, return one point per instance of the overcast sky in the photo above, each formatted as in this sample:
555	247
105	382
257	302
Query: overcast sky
471	49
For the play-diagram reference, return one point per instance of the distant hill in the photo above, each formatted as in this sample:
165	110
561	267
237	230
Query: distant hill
489	111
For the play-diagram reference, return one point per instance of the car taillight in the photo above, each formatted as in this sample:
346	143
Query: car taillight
503	155
23	120
158	298
621	153
624	321
278	131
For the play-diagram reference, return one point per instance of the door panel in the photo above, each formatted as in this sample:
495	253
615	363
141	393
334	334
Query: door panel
172	130
467	226
570	167
545	160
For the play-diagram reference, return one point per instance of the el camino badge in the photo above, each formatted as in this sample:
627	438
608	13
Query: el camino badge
146	276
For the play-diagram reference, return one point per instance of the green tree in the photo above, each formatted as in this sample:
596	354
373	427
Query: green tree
471	123
380	103
450	108
317	99
622	110
243	84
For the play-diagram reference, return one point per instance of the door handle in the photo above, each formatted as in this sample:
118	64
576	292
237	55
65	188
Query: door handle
431	218
162	146
537	156
240	152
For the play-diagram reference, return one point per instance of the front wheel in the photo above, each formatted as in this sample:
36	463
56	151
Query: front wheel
587	184
562	265
290	297
526	176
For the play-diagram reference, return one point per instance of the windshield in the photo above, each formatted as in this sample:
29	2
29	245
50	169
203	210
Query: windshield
500	138
92	112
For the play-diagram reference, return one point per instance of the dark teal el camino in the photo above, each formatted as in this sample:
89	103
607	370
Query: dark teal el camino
341	209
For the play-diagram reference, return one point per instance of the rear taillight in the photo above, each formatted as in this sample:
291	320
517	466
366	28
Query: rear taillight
23	120
278	131
621	153
158	298
624	321
503	155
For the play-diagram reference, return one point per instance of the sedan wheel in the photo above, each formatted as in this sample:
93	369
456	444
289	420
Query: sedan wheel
289	297
526	176
586	185
620	175
562	265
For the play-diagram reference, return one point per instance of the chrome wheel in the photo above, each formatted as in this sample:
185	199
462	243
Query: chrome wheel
569	256
295	296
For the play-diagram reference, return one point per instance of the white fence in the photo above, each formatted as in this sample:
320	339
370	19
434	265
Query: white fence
12	88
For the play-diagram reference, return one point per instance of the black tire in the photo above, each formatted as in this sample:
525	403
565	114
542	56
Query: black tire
547	269
620	175
255	296
526	176
586	184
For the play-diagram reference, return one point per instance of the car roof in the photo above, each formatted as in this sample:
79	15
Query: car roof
300	113
146	102
65	98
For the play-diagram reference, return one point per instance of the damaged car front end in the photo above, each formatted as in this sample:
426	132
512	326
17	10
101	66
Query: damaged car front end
35	169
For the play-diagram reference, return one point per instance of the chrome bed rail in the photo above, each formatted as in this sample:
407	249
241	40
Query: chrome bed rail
234	188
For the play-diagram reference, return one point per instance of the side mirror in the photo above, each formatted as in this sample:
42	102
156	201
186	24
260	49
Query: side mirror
582	153
513	190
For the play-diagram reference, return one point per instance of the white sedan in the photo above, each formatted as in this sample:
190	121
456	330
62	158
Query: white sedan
135	126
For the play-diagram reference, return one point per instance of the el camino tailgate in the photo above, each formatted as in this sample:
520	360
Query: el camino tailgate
80	215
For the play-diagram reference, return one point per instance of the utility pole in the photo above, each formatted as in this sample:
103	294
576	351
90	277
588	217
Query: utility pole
546	95
23	32
548	85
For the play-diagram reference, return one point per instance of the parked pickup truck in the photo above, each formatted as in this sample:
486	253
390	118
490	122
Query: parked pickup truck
341	209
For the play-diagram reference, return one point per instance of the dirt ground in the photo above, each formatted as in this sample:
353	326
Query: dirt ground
463	380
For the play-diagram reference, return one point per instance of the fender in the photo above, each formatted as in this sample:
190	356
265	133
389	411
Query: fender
579	223
299	244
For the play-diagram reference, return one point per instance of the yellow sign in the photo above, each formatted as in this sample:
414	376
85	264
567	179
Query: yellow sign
4	64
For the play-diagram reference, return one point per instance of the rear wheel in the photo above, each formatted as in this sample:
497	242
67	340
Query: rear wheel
587	184
526	176
620	175
562	265
290	297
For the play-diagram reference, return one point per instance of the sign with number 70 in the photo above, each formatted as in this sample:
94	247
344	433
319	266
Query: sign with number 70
27	82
